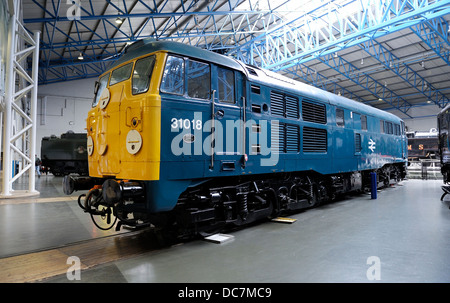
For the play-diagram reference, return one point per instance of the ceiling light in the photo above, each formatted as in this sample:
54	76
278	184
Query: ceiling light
119	20
80	56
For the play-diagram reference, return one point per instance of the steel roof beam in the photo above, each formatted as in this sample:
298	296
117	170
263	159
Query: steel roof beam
244	26
311	76
435	33
143	15
410	76
380	91
291	43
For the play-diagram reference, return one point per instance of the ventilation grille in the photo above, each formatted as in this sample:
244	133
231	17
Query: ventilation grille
288	139
358	146
292	110
283	105
314	140
313	112
276	104
292	138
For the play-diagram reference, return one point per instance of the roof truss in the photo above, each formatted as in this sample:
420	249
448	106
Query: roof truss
315	46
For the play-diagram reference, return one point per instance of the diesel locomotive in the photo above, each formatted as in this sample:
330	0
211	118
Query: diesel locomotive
189	140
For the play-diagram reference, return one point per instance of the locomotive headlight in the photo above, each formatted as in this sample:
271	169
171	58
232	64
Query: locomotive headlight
90	145
133	141
104	98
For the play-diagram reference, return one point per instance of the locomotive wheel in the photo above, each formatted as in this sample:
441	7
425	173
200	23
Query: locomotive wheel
314	200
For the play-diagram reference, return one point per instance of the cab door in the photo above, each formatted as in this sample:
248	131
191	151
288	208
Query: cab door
108	147
226	116
358	140
404	141
139	107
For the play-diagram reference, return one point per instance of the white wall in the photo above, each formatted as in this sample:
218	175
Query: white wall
62	107
425	118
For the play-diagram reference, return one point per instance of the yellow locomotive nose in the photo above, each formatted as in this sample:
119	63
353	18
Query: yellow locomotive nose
119	144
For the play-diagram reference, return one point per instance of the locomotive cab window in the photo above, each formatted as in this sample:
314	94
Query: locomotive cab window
198	79
226	85
173	76
141	75
121	74
99	87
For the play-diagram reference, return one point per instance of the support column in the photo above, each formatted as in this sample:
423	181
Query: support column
33	111
19	119
7	119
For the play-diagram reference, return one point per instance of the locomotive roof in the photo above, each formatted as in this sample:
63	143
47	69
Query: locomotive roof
147	46
254	74
284	83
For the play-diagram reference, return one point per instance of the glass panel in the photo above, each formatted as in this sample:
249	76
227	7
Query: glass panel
226	85
100	86
173	76
397	129
121	74
199	80
142	74
364	122
340	117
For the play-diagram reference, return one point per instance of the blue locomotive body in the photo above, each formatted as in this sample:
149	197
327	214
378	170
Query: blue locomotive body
239	143
279	125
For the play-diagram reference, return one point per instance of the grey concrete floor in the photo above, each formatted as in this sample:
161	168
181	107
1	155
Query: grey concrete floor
47	220
403	236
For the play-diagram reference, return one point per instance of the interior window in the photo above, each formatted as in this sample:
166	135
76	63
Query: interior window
121	74
173	76
99	87
363	122
388	128
397	129
340	117
198	79
226	85
142	74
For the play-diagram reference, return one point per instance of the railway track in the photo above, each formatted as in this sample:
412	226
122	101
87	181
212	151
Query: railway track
40	265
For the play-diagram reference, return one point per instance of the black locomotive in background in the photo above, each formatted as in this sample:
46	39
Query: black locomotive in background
423	145
65	155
